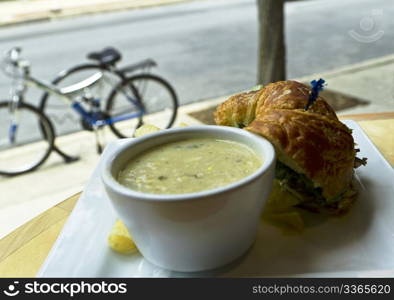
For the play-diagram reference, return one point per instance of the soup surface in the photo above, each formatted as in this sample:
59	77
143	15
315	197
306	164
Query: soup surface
189	166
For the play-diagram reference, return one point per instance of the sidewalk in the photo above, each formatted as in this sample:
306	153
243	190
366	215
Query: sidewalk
24	197
20	11
371	81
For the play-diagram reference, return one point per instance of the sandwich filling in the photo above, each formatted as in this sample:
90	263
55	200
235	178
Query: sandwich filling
302	187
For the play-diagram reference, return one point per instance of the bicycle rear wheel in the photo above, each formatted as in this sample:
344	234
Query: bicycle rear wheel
156	97
26	139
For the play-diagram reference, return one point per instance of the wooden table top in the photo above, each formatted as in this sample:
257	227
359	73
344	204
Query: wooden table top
23	251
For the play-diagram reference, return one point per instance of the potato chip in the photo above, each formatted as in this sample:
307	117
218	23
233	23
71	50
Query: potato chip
120	239
146	129
280	211
280	200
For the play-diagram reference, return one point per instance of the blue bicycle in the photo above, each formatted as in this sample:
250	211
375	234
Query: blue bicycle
27	133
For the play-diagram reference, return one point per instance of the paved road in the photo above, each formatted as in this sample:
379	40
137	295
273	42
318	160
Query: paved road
208	49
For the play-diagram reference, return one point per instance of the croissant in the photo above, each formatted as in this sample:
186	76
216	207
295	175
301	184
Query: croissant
315	151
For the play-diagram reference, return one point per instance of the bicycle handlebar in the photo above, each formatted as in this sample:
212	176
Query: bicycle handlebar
14	53
13	58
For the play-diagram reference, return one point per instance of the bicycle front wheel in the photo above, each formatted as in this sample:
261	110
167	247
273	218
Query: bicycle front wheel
26	138
149	93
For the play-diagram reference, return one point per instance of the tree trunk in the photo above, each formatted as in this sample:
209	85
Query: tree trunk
272	51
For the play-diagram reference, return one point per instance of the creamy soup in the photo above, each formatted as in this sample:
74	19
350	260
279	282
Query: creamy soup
189	166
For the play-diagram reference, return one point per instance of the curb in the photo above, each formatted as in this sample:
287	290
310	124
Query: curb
85	9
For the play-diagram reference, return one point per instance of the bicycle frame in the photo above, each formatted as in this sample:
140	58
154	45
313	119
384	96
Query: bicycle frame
66	94
93	120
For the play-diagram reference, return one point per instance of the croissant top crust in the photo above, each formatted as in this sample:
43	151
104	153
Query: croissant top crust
313	142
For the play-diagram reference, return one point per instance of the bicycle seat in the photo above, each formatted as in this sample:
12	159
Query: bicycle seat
107	56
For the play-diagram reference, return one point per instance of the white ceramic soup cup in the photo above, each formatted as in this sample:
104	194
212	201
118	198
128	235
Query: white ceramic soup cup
194	231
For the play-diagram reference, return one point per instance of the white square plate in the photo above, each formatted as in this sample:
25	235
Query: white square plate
361	244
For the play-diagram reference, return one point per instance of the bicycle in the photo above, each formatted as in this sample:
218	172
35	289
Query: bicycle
126	107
